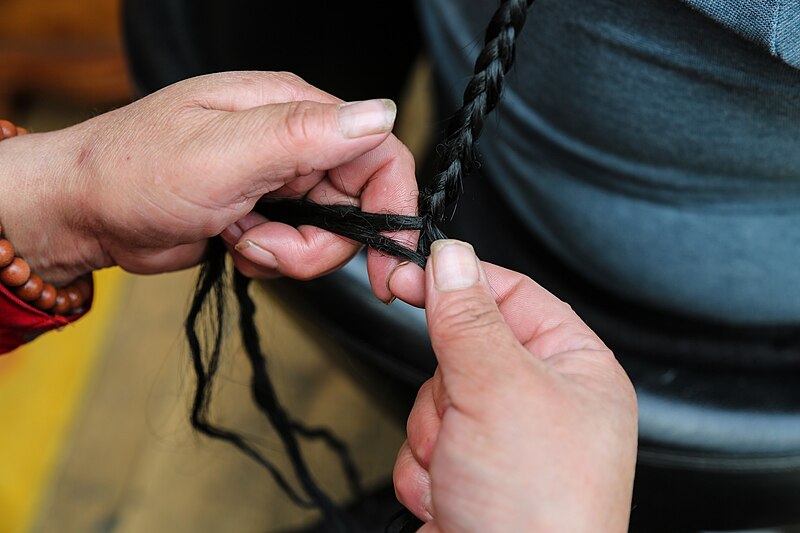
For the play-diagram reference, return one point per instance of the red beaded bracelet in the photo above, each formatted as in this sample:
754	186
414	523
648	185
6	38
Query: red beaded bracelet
15	273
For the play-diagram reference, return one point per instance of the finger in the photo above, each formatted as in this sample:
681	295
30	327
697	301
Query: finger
304	253
477	351
308	259
440	399
380	181
233	233
250	269
407	282
412	484
543	323
391	189
423	425
274	248
464	321
277	143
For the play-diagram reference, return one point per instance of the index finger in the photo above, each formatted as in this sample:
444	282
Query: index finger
383	181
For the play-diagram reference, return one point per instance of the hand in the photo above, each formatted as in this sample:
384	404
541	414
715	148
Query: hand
529	423
146	185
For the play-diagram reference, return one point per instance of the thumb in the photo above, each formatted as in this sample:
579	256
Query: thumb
296	138
474	345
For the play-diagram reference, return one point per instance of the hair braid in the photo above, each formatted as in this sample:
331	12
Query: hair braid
480	97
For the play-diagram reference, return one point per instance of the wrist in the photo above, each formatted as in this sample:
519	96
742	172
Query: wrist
44	207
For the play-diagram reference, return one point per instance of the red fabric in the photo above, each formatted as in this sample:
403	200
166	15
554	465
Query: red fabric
21	323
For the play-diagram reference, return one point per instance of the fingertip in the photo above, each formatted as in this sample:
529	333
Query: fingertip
256	253
412	484
250	269
302	253
407	282
365	118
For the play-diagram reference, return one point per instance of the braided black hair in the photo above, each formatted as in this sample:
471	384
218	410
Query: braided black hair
437	198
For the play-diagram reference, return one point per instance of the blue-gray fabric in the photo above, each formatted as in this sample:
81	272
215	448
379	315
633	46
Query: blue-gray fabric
654	145
772	24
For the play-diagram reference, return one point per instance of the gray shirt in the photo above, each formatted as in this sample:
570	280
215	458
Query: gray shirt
654	145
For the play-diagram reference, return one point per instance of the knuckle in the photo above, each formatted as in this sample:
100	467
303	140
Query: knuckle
292	85
289	78
304	124
404	154
624	385
299	123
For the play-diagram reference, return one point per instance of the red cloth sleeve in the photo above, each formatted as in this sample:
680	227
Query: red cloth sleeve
21	323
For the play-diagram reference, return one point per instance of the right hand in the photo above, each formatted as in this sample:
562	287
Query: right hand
529	423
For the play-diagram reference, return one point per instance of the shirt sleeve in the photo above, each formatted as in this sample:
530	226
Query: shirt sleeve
21	322
772	24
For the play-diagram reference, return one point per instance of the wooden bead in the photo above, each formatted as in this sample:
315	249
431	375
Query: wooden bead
62	302
84	285
32	290
7	129
6	253
16	273
47	299
74	296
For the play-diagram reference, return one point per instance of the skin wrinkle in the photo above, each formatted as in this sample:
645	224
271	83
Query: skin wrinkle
465	314
578	339
299	127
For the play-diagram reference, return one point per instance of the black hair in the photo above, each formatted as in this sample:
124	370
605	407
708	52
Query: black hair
436	201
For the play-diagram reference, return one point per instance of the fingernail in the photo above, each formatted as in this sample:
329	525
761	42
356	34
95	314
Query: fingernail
455	265
359	119
427	505
389	281
257	254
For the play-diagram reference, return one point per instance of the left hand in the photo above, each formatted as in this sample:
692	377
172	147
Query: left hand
145	186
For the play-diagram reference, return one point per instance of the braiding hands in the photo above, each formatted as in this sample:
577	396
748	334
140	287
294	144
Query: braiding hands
146	185
529	423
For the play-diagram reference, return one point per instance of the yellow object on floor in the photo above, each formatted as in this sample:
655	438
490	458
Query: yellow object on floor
41	389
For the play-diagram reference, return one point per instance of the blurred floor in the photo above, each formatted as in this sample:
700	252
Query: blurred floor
133	463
